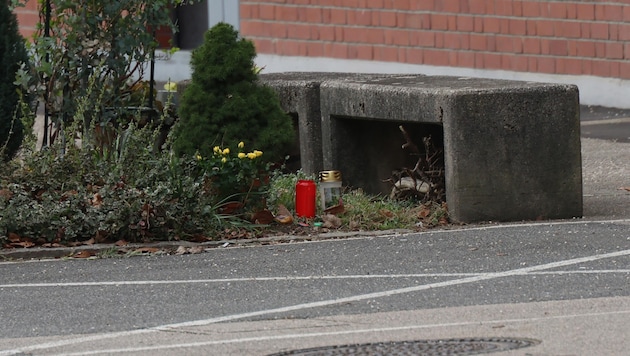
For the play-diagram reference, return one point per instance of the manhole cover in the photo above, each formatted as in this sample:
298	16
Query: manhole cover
420	347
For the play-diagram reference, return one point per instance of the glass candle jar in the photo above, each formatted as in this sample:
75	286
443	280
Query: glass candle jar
329	188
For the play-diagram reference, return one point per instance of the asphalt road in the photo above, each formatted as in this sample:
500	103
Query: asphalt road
215	302
563	288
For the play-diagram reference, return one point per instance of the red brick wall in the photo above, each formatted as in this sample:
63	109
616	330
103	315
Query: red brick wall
28	18
578	37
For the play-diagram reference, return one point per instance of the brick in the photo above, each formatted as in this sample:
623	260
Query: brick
503	7
478	42
414	55
558	48
478	24
415	21
546	65
614	50
531	27
287	13
624	32
505	44
613	32
568	29
557	10
452	40
325	33
338	16
492	61
517	27
587	67
396	37
491	43
439	40
609	13
626	13
452	22
572	48
544	27
479	60
517	8
374	36
452	58
601	69
266	12
568	66
466	59
367	53
532	64
585	11
426	39
531	9
624	70
585	48
315	49
516	63
531	45
599	30
626	51
375	4
465	23
477	6
600	49
303	32
264	45
278	30
614	69
387	18
436	57
439	22
571	10
491	25
385	53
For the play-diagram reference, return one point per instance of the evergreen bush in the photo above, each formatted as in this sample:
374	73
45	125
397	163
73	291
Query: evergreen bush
12	54
225	104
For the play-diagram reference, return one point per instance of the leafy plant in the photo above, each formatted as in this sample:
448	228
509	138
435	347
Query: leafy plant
225	104
12	56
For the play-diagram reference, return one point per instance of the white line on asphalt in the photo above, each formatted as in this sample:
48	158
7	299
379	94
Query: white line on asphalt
323	303
295	278
343	332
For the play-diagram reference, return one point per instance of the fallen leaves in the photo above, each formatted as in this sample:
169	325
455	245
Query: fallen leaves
625	188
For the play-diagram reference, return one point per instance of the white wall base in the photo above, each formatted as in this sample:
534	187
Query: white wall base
602	91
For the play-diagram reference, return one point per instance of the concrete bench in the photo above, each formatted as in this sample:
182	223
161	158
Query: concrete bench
511	149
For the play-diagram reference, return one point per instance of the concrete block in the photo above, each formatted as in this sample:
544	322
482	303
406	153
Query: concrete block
299	97
511	149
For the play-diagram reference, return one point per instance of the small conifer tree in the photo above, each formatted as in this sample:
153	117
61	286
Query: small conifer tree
225	104
12	54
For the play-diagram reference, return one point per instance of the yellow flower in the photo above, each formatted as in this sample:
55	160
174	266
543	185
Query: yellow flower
198	157
251	155
241	155
241	144
223	160
216	149
170	86
258	153
226	151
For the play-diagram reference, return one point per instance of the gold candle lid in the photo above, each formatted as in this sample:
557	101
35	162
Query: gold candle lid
330	176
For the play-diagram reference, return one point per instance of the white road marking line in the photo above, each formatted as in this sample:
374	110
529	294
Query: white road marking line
295	278
323	303
343	332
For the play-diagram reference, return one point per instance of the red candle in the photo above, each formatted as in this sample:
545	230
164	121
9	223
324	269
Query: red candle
305	192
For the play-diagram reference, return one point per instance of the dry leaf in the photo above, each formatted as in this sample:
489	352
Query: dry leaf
263	217
284	219
84	254
386	213
147	250
121	243
181	250
97	200
331	221
6	194
625	188
13	237
336	209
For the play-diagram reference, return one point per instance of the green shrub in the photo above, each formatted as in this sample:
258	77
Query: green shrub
12	55
225	104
